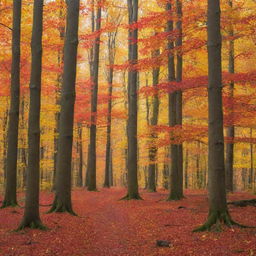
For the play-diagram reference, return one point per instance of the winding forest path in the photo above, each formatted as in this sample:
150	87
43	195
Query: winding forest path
107	226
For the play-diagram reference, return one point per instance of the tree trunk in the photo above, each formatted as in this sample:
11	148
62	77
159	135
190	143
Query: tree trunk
61	29
23	155
62	201
198	170
86	182
179	71
111	57
231	128
31	216
79	182
186	170
166	169
153	121
133	191
10	198
94	102
218	211
176	186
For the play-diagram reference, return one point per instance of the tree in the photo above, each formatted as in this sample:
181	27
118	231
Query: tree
133	191
31	216
62	201
10	198
151	186
94	102
218	211
79	180
175	108
231	128
61	30
111	60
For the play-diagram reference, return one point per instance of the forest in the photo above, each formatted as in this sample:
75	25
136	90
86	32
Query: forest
127	127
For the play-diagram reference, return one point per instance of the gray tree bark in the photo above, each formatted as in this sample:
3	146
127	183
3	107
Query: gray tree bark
92	186
61	29
31	217
230	129
62	201
133	190
79	181
175	114
218	211
111	60
10	198
151	186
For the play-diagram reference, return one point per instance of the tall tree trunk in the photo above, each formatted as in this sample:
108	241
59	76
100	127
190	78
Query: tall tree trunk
133	190
5	125
198	170
231	128
176	191
179	71
23	156
86	182
218	211
94	102
166	169
62	201
186	170
153	121
79	182
61	29
111	57
31	216
10	198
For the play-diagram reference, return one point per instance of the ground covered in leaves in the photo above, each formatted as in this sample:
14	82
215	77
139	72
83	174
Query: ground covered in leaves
106	226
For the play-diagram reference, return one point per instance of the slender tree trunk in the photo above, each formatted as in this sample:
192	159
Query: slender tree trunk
86	182
179	71
31	216
198	170
111	176
111	56
10	198
186	170
218	211
59	82
5	125
94	101
176	191
79	182
62	201
166	169
153	121
231	128
23	145
133	190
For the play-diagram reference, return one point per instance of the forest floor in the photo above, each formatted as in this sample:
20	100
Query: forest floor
106	226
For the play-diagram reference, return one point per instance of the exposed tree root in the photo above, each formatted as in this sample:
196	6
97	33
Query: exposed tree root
31	224
59	206
132	197
9	204
215	221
